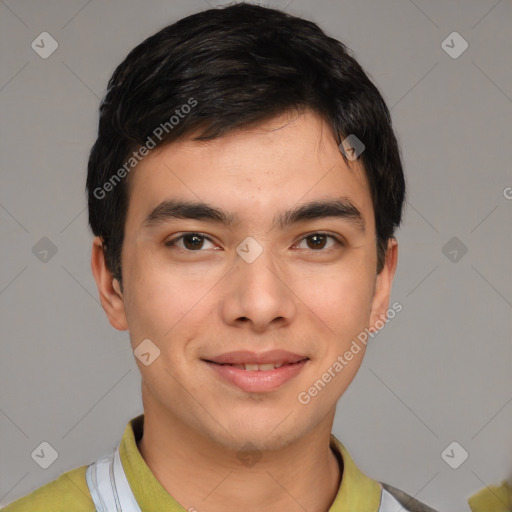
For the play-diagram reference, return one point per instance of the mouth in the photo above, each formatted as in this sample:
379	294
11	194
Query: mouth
252	377
250	367
247	357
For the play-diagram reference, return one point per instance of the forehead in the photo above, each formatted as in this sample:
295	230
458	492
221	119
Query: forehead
256	172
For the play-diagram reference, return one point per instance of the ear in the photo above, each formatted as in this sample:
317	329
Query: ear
384	281
111	296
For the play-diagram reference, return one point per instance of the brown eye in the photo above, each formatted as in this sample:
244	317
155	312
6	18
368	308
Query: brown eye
192	242
318	241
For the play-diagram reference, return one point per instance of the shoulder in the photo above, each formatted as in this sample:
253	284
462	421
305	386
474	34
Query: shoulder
408	503
68	492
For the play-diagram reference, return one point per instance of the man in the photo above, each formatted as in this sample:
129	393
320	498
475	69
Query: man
243	191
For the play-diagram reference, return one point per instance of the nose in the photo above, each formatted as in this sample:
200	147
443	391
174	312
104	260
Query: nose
258	296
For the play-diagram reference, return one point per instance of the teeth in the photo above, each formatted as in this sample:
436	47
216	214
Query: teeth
257	367
260	367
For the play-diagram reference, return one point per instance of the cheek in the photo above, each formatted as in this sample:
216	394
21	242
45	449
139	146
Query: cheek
339	302
348	285
167	304
155	300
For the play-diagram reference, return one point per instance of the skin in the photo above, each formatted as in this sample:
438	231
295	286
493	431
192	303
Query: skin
208	301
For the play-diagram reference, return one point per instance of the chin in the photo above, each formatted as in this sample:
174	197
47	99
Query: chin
251	441
263	434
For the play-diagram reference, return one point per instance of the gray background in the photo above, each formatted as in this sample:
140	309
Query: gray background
439	372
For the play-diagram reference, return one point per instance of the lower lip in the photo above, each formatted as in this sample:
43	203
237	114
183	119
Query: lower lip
258	381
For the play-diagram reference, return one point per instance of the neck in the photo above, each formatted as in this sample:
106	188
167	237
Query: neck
201	475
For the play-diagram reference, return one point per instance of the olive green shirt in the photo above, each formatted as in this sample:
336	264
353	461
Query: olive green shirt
70	493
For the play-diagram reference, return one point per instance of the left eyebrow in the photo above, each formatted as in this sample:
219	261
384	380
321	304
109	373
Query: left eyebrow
342	208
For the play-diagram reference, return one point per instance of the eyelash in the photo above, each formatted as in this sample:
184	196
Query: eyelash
172	243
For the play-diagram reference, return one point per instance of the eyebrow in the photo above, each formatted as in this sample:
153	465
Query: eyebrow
341	208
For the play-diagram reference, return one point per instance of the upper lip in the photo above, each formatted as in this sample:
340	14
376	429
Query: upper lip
246	357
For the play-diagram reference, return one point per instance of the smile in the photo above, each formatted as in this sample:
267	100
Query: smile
256	367
257	378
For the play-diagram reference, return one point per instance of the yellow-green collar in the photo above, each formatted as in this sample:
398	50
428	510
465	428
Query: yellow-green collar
356	492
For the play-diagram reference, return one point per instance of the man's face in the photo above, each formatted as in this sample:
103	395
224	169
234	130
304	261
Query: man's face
310	292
